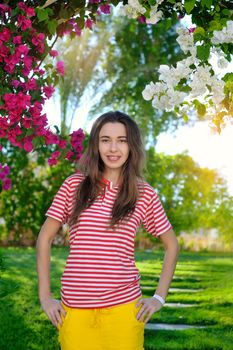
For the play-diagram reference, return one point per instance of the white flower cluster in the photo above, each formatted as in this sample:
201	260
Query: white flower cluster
134	9
165	94
223	36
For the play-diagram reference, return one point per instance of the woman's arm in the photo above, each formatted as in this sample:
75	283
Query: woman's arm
169	263
46	236
151	305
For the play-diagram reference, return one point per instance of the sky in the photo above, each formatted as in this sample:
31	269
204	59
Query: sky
207	149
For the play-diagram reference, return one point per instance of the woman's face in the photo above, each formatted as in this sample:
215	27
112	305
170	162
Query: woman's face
113	145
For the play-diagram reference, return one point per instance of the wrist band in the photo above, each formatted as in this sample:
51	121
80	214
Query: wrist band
158	297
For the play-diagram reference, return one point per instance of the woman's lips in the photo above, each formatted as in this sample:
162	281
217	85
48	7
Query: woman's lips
113	158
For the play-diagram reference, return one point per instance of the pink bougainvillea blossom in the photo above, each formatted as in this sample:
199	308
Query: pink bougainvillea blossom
53	53
142	19
48	91
5	34
38	39
89	23
24	23
60	67
105	8
62	144
17	39
192	29
69	156
52	161
6	184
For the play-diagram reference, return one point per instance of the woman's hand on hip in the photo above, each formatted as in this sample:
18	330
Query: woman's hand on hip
148	307
53	310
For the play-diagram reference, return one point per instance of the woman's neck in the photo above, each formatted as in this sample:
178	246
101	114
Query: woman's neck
114	177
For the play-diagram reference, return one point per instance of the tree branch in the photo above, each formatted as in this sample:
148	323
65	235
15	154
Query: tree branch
48	3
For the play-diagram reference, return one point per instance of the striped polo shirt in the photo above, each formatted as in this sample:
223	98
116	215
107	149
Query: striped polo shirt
100	270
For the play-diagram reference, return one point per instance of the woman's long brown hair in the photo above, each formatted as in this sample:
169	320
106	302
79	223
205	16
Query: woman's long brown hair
92	166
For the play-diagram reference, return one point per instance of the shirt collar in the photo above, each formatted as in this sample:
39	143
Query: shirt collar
108	183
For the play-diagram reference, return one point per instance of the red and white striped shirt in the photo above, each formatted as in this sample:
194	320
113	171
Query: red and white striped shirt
100	269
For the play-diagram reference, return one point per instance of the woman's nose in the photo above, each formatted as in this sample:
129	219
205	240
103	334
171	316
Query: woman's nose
113	146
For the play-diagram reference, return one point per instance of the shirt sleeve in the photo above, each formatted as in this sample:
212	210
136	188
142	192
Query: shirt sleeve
59	208
155	220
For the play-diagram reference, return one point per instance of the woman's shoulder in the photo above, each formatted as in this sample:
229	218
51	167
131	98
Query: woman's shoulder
75	179
146	190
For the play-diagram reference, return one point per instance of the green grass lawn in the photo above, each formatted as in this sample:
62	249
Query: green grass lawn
24	326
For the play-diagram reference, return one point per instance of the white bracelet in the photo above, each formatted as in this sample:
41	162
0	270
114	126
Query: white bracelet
158	297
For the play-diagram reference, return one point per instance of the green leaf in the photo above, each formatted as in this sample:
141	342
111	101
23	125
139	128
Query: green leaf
42	14
80	22
185	117
206	3
199	33
152	2
228	77
52	26
37	141
226	12
203	52
214	25
189	5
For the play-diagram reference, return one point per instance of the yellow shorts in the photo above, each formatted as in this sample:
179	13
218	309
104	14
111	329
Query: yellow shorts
110	328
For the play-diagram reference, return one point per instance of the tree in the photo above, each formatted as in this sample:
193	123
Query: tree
191	195
82	56
134	51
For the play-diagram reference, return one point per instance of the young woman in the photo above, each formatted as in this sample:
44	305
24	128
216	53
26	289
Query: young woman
101	305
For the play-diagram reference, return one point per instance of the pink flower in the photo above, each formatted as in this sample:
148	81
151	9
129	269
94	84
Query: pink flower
15	83
142	19
28	144
6	184
62	144
26	122
5	34
24	23
31	84
4	8
22	50
17	39
27	65
55	154
0	146
53	53
30	12
60	67
6	170
38	39
105	8
52	161
22	6
48	91
88	23
192	29
2	175
3	52
69	155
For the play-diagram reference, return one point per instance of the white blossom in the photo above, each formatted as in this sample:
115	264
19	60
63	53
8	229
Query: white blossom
155	16
185	40
222	62
149	91
223	36
133	9
217	87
